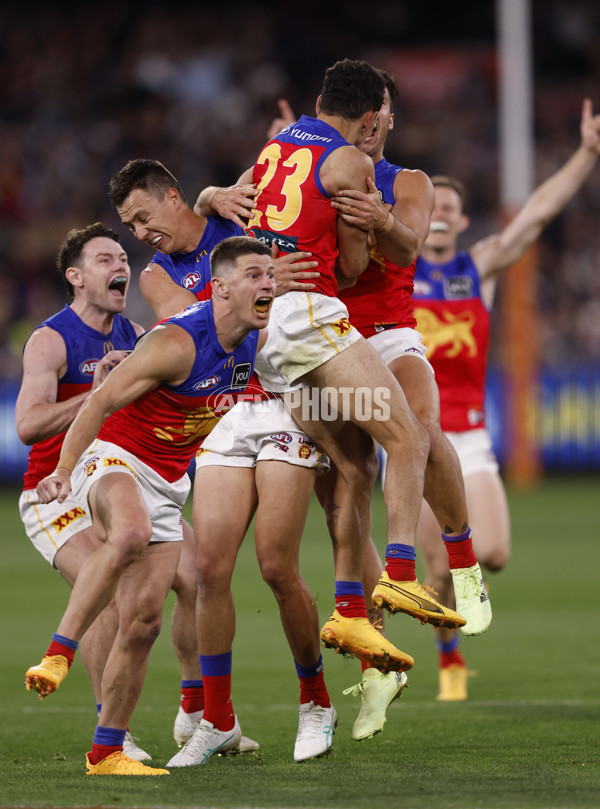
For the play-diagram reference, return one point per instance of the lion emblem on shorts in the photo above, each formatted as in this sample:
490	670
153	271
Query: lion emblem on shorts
304	451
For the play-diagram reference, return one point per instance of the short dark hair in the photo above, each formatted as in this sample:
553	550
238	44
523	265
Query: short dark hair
69	253
351	88
229	250
149	175
391	85
451	182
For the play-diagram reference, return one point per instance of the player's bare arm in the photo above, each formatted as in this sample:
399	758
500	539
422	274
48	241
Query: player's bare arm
235	202
165	354
400	231
38	414
162	294
348	168
496	253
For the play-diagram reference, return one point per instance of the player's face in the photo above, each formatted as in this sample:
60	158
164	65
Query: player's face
105	275
373	145
447	219
151	220
251	288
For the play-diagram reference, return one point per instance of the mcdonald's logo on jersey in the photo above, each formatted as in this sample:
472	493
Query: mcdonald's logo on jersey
108	346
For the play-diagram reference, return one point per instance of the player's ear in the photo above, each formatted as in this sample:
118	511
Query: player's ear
318	104
465	221
391	126
219	287
74	276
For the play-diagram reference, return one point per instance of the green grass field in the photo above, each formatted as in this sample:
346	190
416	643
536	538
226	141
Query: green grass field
529	736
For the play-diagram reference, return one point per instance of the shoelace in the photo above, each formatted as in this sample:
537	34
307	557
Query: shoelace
356	690
311	722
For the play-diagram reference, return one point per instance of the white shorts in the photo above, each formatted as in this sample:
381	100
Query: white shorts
404	342
163	500
50	525
259	431
474	450
305	330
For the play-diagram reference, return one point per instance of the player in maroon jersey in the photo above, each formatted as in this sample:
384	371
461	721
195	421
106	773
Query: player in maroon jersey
150	416
64	359
454	291
312	347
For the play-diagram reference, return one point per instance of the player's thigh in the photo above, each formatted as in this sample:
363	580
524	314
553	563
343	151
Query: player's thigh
119	509
488	517
284	492
224	504
418	383
365	392
71	556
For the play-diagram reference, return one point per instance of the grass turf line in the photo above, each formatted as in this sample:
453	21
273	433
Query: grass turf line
526	738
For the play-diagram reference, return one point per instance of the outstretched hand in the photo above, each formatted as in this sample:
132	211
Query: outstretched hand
55	486
590	127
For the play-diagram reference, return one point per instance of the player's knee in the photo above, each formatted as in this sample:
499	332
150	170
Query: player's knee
212	575
128	544
277	575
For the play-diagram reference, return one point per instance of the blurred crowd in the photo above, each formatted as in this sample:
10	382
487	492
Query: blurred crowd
87	86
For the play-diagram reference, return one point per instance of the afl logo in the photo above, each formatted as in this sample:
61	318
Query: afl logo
87	367
207	383
285	438
190	280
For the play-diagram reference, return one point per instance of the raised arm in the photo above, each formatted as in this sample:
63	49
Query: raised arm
496	253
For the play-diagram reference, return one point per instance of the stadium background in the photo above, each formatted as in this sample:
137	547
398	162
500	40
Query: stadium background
87	86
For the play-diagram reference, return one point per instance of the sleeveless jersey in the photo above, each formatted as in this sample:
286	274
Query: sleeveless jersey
165	427
192	270
292	209
85	347
382	296
455	325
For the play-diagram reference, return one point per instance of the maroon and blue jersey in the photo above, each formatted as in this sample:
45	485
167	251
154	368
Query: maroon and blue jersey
165	427
192	270
292	208
85	347
455	325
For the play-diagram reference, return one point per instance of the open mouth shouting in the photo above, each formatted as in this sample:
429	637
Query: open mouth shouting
119	284
263	305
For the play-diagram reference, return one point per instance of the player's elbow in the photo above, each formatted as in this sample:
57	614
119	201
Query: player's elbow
26	432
